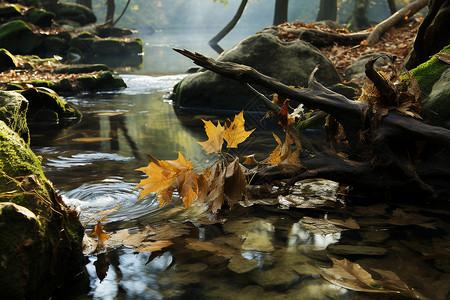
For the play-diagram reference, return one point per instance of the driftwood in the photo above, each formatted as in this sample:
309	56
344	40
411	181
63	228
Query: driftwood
321	38
402	154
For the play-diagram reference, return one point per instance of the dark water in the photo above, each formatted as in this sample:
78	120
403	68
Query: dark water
259	252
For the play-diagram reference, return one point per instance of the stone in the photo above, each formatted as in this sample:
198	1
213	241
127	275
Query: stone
47	108
18	38
40	17
428	73
106	47
52	45
356	250
33	223
13	111
239	264
10	11
436	106
356	71
7	60
275	277
77	69
76	13
288	62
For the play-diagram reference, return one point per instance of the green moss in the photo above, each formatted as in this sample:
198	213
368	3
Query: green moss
40	17
428	73
32	226
18	38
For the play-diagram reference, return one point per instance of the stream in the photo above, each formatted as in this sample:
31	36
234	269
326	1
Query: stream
275	251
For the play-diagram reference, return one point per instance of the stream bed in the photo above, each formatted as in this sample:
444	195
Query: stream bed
272	248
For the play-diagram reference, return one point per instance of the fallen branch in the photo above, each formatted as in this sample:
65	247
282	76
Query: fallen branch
404	13
388	159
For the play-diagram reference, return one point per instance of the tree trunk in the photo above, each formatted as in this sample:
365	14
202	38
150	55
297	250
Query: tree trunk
110	9
433	33
87	3
359	20
327	10
281	12
392	7
213	42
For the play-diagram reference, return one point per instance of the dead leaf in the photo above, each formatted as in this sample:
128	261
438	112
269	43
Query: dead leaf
235	133
100	235
352	276
215	137
166	176
101	266
235	182
153	246
350	223
400	218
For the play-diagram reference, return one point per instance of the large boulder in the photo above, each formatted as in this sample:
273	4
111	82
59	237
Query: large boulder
18	38
288	62
41	240
13	111
40	17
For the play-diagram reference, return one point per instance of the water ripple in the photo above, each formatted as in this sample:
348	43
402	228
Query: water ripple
92	198
83	159
145	84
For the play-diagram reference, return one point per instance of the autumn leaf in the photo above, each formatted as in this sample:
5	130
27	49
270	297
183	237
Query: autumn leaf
282	155
235	133
444	57
215	137
166	176
235	182
101	236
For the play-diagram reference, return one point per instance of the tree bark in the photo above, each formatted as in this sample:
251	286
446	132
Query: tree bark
386	160
327	10
281	12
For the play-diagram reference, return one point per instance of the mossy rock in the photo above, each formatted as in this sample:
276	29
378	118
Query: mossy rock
65	87
109	47
436	107
18	38
52	45
76	13
77	69
7	60
33	224
43	83
134	47
13	111
40	17
10	11
83	44
47	109
428	73
104	81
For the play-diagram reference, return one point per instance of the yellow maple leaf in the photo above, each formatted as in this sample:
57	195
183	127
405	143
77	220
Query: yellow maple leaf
166	176
235	132
101	236
215	137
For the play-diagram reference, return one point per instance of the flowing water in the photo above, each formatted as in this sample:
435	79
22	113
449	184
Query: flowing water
261	251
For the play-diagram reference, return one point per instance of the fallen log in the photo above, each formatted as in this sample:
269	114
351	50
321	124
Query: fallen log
401	154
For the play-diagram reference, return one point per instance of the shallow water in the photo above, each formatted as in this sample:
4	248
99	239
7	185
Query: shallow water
261	251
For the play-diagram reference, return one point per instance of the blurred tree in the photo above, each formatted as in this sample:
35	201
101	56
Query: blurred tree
87	3
327	10
281	12
359	19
